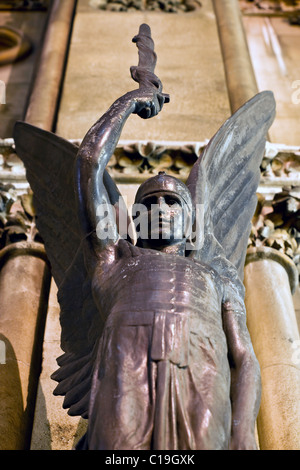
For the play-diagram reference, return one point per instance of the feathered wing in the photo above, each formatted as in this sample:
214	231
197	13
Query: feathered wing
224	181
49	161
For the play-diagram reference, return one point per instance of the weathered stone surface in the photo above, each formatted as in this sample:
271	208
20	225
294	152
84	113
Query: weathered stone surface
273	328
274	48
189	65
18	76
53	428
23	292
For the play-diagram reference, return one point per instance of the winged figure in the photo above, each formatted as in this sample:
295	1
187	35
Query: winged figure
157	354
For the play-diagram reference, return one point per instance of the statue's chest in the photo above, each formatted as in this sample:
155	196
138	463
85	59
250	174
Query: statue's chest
175	296
157	282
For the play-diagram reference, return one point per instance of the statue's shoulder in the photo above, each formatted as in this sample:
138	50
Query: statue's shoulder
116	252
206	269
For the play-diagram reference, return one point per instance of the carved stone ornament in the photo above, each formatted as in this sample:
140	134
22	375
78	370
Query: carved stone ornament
166	6
24	4
17	217
276	223
152	311
284	8
134	162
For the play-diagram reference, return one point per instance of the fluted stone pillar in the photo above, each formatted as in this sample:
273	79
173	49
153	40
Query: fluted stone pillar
270	280
24	289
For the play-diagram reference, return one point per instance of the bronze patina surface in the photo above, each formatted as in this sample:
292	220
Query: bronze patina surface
157	354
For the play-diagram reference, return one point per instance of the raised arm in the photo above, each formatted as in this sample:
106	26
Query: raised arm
95	152
98	146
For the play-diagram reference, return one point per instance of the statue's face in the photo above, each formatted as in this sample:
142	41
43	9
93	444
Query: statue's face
165	215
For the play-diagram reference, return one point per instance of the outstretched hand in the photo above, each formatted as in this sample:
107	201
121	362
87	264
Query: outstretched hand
148	103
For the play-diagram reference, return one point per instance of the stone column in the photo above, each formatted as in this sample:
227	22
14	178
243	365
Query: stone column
240	77
24	289
270	280
44	99
24	270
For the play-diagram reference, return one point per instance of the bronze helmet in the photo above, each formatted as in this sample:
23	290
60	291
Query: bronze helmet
164	183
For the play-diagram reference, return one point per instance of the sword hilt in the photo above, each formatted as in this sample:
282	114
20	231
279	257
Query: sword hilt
143	73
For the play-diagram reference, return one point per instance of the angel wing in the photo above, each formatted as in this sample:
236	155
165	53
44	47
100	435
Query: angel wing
225	178
49	161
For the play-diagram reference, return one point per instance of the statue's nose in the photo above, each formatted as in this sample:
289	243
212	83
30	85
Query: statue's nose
161	204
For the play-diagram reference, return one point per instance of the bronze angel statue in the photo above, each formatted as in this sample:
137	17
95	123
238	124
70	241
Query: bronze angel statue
157	354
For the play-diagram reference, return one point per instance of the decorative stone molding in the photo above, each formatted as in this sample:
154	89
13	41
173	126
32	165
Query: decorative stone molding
166	6
285	8
15	45
17	217
281	163
11	167
276	223
24	4
133	162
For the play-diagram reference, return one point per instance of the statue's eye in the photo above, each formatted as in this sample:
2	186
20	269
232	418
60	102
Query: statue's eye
149	201
172	201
